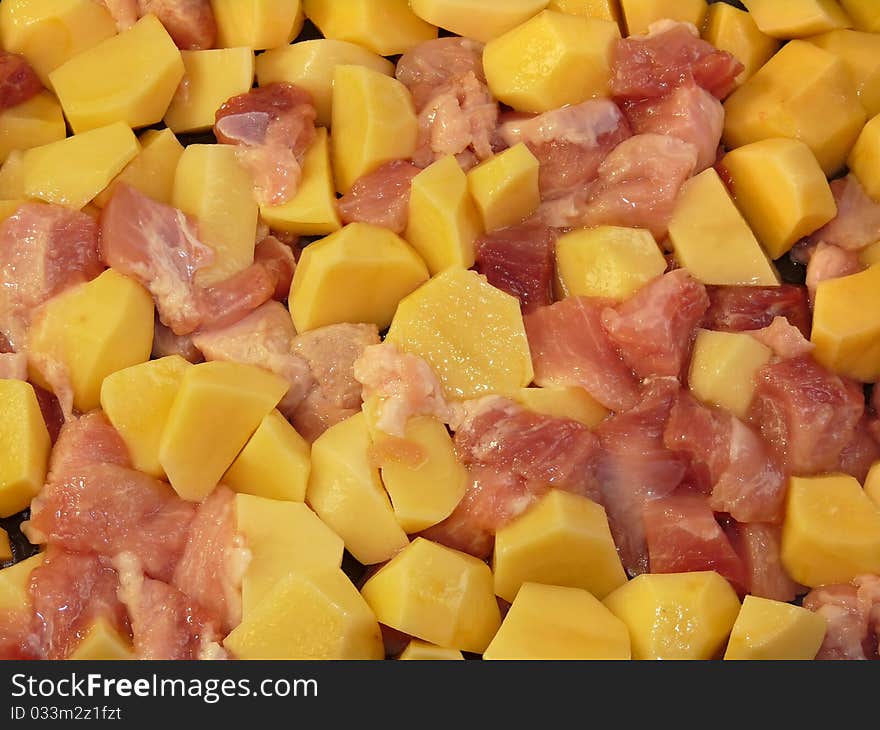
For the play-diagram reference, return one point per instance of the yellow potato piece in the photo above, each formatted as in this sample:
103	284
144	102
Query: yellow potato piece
257	24
14	581
217	408
443	220
607	261
505	187
604	9
5	547
639	14
210	79
309	616
865	14
864	160
91	331
422	650
374	121
831	532
771	630
552	60
860	53
436	594
573	403
312	211
556	622
282	537
372	265
311	65
212	186
872	483
102	642
347	494
712	240
96	87
781	100
723	368
735	31
275	462
796	18
26	446
676	615
469	332
869	255
12	176
33	123
73	171
563	540
481	20
386	27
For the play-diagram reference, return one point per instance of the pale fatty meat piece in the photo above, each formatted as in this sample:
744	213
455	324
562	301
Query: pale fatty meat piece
784	339
857	223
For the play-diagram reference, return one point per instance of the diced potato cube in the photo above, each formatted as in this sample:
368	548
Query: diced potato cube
865	14
211	185
482	20
831	532
91	331
73	171
563	540
556	622
796	18
137	401
12	176
49	32
443	221
371	264
781	100
96	87
505	187
5	546
781	190
347	494
676	615
872	484
26	446
573	402
864	160
282	537
257	24
275	462
604	9
860	53
723	368
639	14
217	408
33	123
771	630
735	31
374	121
386	27
607	261
309	616
423	650
210	78
846	325
869	255
437	594
14	581
102	642
552	60
311	65
312	211
712	240
469	332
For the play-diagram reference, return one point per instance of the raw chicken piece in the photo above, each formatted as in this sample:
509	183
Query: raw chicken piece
830	262
857	223
190	23
166	343
18	81
381	197
786	340
747	308
278	259
852	613
759	545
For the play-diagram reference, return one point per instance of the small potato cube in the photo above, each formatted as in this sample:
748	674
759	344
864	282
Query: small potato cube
437	594
639	14
5	547
723	368
282	537
712	240
505	187
210	78
564	540
274	464
735	31
372	265
312	211
831	531
311	65
347	494
796	18
573	402
374	121
864	160
91	331
14	582
309	616
26	446
676	615
469	332
73	171
102	642
422	650
33	123
607	261
137	401
257	24
481	20
872	484
217	408
443	220
603	9
552	60
781	100
865	14
96	87
386	27
860	53
212	186
772	630
556	622
12	177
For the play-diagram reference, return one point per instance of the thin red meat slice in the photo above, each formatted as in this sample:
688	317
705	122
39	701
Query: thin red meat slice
18	81
806	413
166	343
857	223
190	23
746	308
830	262
852	614
381	197
784	339
759	544
277	258
520	260
571	348
654	329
